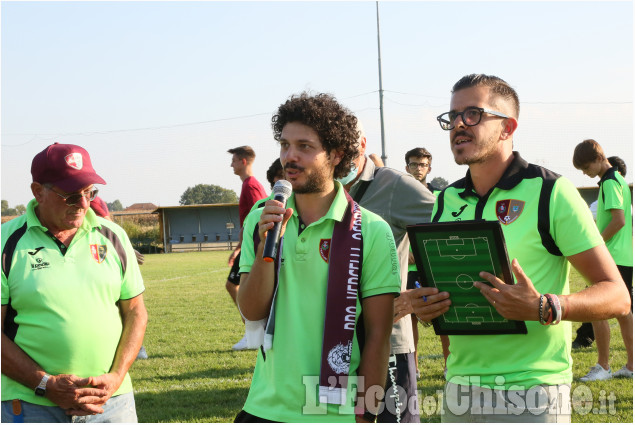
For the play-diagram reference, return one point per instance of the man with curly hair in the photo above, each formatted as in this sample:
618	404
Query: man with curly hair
331	289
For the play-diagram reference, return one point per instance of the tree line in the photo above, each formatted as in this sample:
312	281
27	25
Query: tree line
198	194
17	210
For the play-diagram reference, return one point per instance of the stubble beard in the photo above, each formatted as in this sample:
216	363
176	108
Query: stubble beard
484	151
315	182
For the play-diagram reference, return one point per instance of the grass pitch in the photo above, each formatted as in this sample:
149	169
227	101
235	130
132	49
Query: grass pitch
193	375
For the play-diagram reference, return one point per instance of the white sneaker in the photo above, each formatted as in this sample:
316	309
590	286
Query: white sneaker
597	373
623	373
242	344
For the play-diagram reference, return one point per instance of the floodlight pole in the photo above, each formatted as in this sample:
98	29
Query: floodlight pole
381	94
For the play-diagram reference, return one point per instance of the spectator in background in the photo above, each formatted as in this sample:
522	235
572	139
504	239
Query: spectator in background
400	200
584	335
100	207
252	191
275	172
618	163
419	165
615	222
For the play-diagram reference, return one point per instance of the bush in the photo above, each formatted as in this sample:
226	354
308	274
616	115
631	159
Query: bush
143	231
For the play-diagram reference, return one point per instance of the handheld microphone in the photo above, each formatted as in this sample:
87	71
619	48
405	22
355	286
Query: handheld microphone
282	190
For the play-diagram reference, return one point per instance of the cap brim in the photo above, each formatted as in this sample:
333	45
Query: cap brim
75	183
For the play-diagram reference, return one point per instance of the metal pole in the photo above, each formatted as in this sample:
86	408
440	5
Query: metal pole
381	93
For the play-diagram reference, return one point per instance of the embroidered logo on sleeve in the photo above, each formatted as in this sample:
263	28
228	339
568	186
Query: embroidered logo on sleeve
98	252
508	210
325	248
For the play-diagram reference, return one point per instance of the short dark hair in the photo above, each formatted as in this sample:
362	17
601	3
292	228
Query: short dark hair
335	125
419	153
275	170
244	152
618	163
497	86
586	152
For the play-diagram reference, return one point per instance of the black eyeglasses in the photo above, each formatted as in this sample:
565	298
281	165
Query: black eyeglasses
414	165
75	198
471	116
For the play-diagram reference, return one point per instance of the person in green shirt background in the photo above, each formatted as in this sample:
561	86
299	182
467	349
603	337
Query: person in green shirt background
615	222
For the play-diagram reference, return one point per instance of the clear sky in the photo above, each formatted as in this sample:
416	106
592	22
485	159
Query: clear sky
158	91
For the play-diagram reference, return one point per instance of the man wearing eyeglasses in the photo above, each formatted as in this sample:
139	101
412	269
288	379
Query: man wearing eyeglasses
546	225
419	165
73	316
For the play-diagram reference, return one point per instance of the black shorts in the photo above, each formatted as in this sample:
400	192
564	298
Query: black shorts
234	276
413	276
627	275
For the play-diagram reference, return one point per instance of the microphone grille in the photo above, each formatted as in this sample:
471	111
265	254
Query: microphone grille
283	187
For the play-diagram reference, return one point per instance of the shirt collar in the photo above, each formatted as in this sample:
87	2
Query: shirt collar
610	174
336	211
512	176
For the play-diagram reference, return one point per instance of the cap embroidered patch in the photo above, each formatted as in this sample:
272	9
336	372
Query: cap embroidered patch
508	210
98	252
75	160
325	248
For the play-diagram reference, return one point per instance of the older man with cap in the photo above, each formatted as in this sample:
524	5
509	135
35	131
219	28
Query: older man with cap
73	316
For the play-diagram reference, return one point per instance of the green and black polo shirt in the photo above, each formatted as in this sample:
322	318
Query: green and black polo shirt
62	302
544	220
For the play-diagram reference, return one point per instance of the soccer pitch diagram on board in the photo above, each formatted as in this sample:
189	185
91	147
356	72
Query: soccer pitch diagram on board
455	264
450	256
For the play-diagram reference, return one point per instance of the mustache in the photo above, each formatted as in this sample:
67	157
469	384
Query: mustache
294	166
460	133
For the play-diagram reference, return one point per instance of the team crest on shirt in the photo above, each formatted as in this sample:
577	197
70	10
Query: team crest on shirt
508	210
325	248
74	160
98	252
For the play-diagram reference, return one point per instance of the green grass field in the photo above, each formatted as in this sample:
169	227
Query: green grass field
193	375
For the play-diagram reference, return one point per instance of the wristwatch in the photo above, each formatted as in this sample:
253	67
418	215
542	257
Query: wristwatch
41	388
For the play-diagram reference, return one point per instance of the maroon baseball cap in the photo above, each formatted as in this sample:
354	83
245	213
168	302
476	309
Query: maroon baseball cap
66	166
